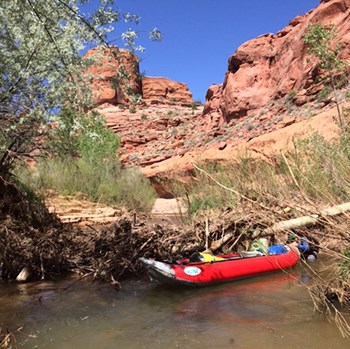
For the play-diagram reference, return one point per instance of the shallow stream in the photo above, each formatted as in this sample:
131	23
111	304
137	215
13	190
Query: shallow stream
271	311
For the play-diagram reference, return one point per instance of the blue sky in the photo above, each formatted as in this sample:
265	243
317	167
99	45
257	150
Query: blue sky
200	35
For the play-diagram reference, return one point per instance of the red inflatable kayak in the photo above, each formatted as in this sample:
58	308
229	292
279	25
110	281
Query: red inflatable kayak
229	267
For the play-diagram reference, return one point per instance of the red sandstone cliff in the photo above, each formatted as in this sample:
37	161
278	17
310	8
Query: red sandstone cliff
268	97
106	85
270	67
116	77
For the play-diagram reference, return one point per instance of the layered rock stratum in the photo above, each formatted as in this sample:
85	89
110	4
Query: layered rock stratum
159	90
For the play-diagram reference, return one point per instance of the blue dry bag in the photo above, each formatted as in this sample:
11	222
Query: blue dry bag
277	249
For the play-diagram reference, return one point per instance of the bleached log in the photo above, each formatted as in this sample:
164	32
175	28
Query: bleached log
305	220
207	233
336	210
215	245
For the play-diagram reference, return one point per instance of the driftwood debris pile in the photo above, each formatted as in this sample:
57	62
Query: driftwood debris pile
35	244
7	340
29	234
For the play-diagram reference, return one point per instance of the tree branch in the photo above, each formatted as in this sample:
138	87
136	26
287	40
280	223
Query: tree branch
51	38
84	21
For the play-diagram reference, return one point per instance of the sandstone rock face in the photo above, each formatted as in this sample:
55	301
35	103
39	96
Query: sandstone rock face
157	90
271	66
117	80
268	98
108	85
152	134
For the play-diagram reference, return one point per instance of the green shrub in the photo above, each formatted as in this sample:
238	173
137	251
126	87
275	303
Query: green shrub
130	189
324	94
251	178
132	109
322	169
290	96
89	165
105	183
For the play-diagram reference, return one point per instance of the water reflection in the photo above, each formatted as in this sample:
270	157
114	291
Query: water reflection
272	311
242	303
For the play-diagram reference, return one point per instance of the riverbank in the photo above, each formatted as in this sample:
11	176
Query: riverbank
96	239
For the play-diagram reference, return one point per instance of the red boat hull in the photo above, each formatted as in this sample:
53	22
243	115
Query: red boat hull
233	268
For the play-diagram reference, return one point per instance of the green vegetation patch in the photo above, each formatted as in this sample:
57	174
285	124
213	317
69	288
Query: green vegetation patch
87	163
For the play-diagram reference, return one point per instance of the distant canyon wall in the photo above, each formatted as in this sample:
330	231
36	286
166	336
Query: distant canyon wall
116	77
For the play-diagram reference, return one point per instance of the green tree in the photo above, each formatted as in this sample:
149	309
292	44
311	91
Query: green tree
322	43
41	66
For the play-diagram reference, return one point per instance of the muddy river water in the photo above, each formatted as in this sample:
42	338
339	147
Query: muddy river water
271	311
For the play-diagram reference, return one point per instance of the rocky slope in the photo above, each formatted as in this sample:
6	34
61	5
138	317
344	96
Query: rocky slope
269	95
